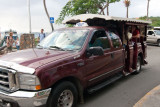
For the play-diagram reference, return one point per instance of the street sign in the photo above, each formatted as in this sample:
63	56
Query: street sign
51	19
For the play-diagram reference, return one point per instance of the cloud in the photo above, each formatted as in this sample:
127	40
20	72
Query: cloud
137	8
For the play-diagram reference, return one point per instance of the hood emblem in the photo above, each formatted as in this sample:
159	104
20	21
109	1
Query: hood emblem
47	53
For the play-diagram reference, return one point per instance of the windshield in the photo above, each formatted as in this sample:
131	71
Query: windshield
65	40
157	32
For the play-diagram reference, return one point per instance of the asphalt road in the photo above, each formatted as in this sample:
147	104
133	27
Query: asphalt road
128	90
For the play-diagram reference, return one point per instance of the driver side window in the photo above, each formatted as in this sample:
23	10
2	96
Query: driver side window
99	39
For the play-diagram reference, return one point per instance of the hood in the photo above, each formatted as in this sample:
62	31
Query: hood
34	58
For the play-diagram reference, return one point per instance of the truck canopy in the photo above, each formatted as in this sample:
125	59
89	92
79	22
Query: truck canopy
88	18
123	26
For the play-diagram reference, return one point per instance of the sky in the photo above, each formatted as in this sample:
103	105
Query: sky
14	13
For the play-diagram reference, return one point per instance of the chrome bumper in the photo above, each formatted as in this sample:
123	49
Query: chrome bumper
24	98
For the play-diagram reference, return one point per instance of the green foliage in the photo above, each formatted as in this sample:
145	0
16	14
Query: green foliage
112	1
143	18
155	20
75	7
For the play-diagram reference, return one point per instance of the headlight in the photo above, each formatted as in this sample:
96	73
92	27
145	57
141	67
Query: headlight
29	82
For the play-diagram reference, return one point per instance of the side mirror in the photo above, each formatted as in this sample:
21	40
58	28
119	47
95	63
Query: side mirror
97	51
153	34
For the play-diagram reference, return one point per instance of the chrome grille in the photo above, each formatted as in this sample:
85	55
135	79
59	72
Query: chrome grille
7	80
4	79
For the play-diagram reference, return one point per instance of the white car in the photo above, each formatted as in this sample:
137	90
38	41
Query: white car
153	36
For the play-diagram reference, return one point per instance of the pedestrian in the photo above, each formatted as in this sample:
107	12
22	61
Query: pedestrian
17	43
41	36
136	32
10	42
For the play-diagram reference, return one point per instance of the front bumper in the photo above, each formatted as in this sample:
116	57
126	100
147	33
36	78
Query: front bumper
24	98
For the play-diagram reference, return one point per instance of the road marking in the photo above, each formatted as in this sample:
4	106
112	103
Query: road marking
142	101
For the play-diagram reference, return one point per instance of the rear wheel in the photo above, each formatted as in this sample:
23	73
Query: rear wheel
138	66
158	42
63	95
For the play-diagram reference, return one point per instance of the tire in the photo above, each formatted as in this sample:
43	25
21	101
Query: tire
63	95
158	43
138	66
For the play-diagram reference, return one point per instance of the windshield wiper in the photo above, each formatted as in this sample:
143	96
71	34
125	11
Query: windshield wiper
51	47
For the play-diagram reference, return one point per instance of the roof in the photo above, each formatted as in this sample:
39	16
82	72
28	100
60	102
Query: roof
157	28
83	28
85	17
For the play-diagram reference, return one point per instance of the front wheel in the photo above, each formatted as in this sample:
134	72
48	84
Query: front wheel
63	95
138	66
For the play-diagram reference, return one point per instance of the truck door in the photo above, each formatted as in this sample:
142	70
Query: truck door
151	37
97	67
117	53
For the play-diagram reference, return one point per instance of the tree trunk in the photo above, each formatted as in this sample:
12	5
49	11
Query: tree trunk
44	2
148	9
107	7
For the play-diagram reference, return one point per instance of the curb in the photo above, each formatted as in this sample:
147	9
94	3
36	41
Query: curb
151	99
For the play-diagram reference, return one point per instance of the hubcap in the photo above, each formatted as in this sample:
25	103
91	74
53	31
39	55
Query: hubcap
65	99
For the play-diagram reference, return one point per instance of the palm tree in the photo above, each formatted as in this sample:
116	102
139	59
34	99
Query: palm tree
127	4
44	2
108	7
148	9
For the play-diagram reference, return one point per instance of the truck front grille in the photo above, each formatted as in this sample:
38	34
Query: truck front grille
4	80
7	82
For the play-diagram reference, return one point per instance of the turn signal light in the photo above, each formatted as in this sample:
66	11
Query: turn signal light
38	87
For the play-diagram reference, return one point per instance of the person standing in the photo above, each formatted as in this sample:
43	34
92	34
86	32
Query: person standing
10	42
17	43
136	32
41	35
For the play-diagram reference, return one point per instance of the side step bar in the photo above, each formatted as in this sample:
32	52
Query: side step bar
105	83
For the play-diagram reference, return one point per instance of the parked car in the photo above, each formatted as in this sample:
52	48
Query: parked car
153	37
70	61
4	38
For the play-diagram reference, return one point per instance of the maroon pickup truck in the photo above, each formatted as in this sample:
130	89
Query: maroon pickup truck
65	64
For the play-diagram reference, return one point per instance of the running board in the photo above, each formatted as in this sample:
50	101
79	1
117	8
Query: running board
105	83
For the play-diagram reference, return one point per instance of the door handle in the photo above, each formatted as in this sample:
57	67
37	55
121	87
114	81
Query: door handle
80	64
90	59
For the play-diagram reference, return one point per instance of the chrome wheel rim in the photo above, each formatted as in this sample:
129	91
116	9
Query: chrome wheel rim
138	65
65	99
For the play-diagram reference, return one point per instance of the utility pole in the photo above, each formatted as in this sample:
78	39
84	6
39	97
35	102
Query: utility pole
44	3
148	9
29	16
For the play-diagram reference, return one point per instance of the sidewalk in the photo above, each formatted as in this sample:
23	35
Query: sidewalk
151	99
